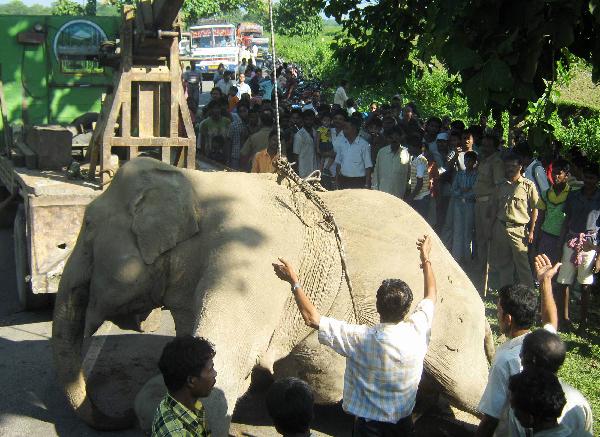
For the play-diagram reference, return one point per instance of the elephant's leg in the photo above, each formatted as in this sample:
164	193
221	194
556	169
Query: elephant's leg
149	321
319	366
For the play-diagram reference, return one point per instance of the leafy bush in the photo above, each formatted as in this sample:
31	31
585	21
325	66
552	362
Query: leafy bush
579	132
435	93
297	18
313	55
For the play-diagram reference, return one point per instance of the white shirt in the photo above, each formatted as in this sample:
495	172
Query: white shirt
539	178
340	97
243	88
354	158
507	362
392	171
309	107
420	165
384	363
337	140
224	85
305	148
576	414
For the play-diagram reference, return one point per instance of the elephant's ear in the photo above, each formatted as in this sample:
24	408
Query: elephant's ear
164	213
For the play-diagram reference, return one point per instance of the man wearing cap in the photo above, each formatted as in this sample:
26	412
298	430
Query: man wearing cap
514	208
490	176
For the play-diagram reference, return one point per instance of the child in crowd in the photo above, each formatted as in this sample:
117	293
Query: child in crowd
325	146
552	215
464	208
232	99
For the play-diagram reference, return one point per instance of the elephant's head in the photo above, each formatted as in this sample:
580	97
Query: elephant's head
120	265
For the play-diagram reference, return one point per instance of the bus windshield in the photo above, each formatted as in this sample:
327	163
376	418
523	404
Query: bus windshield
209	37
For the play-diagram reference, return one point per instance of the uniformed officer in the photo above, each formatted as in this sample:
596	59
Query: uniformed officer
490	175
514	210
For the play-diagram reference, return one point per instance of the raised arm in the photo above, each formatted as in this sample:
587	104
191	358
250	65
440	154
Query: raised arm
430	289
309	312
544	272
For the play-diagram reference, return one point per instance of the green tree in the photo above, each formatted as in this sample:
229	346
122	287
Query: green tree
17	7
504	51
90	7
67	7
193	10
297	18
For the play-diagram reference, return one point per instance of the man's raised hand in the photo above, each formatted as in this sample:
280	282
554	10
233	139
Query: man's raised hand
424	246
285	271
544	268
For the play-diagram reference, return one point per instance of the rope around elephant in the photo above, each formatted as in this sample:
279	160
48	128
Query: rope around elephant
309	187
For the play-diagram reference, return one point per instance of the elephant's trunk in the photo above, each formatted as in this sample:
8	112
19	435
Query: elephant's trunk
67	341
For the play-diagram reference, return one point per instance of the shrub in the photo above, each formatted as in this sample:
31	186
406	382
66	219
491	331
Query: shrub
579	132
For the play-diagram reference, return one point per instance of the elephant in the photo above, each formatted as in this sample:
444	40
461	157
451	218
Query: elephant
201	244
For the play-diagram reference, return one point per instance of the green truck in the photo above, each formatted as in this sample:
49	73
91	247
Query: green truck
50	74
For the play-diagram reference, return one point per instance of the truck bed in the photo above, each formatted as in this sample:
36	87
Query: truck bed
54	209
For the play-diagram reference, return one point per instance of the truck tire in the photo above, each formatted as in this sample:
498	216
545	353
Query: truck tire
27	299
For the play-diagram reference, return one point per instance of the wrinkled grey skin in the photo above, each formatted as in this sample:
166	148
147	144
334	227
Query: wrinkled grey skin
201	245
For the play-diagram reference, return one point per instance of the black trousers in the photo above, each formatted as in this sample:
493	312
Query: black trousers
349	183
402	428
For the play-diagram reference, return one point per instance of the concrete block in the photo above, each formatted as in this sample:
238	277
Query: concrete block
52	145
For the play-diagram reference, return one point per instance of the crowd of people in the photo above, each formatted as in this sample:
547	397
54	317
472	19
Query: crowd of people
531	222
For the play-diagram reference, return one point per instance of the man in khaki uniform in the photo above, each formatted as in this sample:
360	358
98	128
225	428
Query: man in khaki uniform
514	208
489	176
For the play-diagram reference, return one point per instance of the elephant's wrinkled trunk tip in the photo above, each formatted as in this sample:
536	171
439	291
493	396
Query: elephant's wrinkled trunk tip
67	340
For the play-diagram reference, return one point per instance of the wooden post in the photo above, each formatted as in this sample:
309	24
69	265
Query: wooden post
116	126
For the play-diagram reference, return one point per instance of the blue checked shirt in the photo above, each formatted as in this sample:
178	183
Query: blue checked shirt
384	363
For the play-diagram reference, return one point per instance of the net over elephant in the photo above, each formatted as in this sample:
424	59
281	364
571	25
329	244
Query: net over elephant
201	245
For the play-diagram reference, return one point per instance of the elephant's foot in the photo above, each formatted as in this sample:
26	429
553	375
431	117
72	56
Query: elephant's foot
148	322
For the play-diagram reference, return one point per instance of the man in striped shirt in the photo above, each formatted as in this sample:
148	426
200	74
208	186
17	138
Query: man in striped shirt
384	362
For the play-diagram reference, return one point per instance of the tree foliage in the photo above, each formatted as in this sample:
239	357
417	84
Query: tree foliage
504	51
67	7
297	18
90	7
17	7
193	10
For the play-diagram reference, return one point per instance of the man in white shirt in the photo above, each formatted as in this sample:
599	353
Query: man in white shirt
419	194
384	363
340	96
338	140
242	67
225	83
517	305
534	170
305	145
543	350
242	86
353	159
538	399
